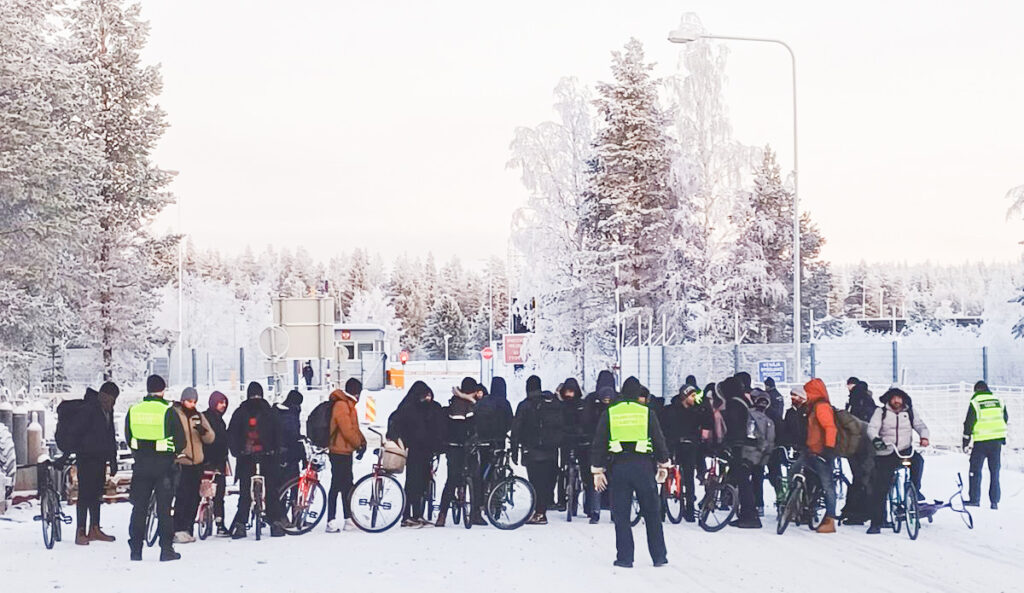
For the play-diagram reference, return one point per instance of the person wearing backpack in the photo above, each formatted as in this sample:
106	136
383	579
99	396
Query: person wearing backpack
412	424
538	429
198	434
820	455
345	440
93	441
594	406
739	435
216	454
155	436
760	454
459	430
292	456
253	435
985	424
683	420
629	453
861	403
892	427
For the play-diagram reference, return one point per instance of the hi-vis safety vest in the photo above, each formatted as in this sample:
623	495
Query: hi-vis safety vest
627	423
146	421
990	424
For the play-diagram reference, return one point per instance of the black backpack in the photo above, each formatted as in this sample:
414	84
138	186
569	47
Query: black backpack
69	417
550	417
318	424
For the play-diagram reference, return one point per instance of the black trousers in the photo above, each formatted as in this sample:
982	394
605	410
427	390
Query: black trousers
456	459
543	474
341	483
246	468
686	458
862	465
629	476
186	497
151	476
741	475
991	452
218	497
92	473
881	479
417	475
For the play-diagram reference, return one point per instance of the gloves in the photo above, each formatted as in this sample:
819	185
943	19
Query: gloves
600	480
879	444
514	455
828	454
360	451
966	444
662	474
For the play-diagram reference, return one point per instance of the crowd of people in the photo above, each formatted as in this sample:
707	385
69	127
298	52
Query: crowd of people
623	438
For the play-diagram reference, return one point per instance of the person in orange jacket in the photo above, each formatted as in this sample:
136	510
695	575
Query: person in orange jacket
821	447
346	439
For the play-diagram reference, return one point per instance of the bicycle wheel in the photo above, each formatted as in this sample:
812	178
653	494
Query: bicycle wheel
896	508
572	494
204	520
456	506
467	509
718	506
510	503
966	517
791	509
152	523
48	517
376	503
302	511
815	506
257	509
913	517
429	502
672	499
634	512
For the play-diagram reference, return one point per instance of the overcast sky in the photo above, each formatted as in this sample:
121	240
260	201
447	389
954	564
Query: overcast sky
386	125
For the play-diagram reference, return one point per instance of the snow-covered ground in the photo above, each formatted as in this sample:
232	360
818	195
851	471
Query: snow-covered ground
558	557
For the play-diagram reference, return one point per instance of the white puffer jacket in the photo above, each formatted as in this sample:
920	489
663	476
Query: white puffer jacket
895	428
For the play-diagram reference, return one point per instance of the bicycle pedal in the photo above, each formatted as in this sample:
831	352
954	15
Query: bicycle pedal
66	519
37	518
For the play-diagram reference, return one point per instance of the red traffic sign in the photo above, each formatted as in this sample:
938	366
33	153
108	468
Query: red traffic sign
487	353
403	356
346	334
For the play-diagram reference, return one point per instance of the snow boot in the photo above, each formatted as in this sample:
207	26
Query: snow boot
622	564
827	526
972	503
751	523
81	538
994	506
136	555
874	529
168	554
238	531
595	519
97	535
659	563
277	529
442	518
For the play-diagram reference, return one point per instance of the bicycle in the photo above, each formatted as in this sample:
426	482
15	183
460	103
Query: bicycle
928	510
570	483
902	499
805	502
508	499
303	498
258	492
721	498
204	514
377	500
432	489
52	476
672	496
839	479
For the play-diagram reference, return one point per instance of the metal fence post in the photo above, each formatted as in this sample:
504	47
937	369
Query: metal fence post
241	368
895	362
814	361
194	368
984	363
664	374
735	358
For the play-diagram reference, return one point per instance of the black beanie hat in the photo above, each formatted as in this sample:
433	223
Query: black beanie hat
730	388
978	387
690	380
294	398
111	389
532	384
769	382
155	384
744	378
469	386
353	386
631	388
254	390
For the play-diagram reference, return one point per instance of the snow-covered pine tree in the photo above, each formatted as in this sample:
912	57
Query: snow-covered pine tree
357	280
445	319
1017	196
127	264
374	306
409	298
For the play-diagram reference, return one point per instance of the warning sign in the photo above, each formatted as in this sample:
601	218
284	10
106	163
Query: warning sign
515	348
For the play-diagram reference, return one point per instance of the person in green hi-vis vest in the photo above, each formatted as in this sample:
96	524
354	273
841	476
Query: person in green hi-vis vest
629	453
986	425
155	436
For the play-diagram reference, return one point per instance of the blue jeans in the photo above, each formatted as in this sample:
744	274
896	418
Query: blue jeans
822	470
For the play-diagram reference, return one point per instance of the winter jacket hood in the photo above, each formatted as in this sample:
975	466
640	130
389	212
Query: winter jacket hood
572	385
346	438
290	428
216	453
605	379
498	388
821	421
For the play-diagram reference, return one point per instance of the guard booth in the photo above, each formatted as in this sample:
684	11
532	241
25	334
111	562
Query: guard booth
360	352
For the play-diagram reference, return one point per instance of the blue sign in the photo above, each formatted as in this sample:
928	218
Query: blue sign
776	369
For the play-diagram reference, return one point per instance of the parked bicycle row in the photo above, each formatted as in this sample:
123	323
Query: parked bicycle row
725	437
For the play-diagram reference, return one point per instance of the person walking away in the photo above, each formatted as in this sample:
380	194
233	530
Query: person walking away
538	430
95	449
459	429
891	427
682	422
627	444
155	437
346	440
411	423
253	437
985	425
307	374
216	455
820	455
292	456
765	427
198	433
594	406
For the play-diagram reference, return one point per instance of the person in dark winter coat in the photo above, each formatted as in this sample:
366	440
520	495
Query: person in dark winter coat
253	434
216	455
985	424
576	442
307	374
683	421
538	430
459	429
292	455
594	406
737	419
777	407
198	434
861	403
493	414
97	448
413	424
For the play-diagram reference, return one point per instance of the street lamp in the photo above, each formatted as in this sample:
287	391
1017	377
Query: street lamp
685	36
446	338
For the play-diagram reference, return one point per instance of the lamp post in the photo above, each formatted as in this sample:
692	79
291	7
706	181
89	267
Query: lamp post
683	36
446	338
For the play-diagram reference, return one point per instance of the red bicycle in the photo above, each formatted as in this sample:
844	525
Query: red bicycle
304	499
672	495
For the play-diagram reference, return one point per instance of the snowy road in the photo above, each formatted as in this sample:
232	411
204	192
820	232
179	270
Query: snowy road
559	557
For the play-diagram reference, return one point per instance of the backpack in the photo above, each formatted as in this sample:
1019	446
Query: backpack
849	431
68	435
718	428
550	423
318	424
761	428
